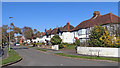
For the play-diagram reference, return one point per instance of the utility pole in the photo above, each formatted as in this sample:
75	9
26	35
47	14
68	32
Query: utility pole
9	32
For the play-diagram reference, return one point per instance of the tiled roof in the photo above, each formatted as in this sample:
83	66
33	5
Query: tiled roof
18	37
99	20
67	27
54	31
49	32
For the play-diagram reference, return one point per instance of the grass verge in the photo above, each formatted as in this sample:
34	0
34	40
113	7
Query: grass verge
70	47
88	57
41	49
30	47
13	56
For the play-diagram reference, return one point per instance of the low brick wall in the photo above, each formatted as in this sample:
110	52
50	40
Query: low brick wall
99	51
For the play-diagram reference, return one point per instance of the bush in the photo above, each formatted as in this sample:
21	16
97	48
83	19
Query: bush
96	33
100	38
61	46
67	46
84	44
77	42
55	40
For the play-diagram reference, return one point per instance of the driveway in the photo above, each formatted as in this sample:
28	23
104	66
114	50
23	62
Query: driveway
32	57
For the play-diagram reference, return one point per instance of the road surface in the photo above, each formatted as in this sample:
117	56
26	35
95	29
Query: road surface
32	57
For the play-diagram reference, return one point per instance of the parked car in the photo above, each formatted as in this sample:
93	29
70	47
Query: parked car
17	44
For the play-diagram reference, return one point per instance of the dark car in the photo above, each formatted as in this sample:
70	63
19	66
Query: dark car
14	44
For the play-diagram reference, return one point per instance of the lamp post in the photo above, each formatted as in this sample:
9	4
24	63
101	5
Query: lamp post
9	32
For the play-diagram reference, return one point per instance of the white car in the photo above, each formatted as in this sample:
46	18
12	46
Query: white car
17	44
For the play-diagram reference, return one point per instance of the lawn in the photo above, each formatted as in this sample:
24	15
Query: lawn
67	46
30	47
88	57
13	56
41	49
70	47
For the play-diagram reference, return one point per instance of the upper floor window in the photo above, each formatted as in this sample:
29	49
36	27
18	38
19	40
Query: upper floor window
82	32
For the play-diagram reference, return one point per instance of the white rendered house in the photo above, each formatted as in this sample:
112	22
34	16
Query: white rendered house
109	21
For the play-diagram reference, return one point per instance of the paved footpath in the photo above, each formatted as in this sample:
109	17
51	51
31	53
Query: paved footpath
32	57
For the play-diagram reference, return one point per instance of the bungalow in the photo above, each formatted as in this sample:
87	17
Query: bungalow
110	21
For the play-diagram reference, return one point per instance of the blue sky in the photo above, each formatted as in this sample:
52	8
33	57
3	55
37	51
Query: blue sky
41	15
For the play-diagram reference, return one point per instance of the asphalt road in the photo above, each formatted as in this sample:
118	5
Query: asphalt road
32	57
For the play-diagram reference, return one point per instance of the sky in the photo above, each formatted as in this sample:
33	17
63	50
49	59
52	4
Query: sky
41	15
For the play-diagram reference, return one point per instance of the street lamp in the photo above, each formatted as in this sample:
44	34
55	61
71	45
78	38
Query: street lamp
9	32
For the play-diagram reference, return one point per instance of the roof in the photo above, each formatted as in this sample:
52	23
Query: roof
18	37
67	27
99	20
54	31
48	32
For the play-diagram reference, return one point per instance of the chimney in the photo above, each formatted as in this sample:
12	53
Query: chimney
45	30
95	14
68	26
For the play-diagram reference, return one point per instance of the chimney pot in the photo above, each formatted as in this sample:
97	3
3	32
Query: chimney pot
96	13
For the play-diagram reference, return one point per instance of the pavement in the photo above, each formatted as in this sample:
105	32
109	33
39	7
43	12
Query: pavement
33	57
3	52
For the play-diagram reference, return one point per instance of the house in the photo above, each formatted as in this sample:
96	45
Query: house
110	21
68	33
19	39
64	33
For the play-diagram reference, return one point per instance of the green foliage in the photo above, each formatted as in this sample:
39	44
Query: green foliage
28	33
77	42
88	57
17	30
56	40
5	35
100	38
67	46
95	35
45	50
13	56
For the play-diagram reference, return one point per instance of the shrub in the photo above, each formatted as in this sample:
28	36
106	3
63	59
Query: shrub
55	40
77	42
95	35
61	46
100	38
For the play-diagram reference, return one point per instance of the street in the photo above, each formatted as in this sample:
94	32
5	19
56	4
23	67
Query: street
32	57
